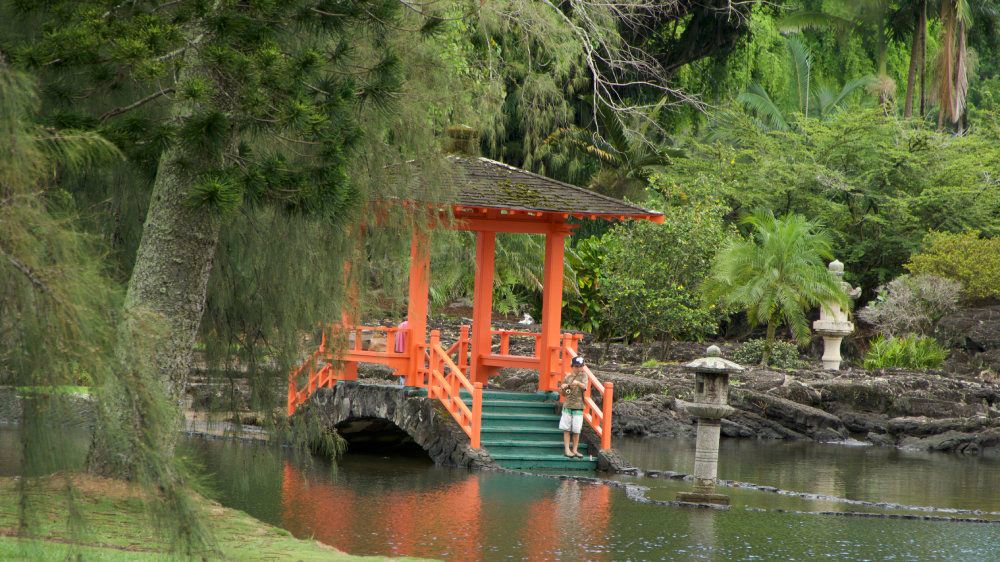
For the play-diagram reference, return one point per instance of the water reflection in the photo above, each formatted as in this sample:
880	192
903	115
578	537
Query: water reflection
400	521
409	516
701	523
861	473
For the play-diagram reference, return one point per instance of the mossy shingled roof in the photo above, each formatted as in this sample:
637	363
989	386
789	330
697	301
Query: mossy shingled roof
481	182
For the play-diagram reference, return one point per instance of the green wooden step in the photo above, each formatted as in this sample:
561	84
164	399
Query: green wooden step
520	418
523	448
544	461
507	395
528	443
515	407
517	433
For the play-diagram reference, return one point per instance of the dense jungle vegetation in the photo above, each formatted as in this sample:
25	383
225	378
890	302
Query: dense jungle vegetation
182	174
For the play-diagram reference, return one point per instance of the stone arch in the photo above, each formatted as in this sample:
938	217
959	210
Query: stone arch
429	426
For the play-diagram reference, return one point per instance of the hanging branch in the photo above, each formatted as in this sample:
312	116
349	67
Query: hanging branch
617	68
27	272
130	107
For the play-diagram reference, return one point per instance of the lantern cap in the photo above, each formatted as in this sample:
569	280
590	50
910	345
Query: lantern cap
713	363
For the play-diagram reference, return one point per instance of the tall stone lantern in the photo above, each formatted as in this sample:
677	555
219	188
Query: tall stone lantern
833	324
711	404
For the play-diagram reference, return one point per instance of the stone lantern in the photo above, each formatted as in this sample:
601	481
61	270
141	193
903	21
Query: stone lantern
711	404
833	324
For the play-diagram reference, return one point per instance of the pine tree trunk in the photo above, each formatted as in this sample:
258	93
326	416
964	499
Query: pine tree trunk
169	284
167	293
171	272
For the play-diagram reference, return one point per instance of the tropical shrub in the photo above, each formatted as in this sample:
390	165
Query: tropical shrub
966	257
912	304
651	277
583	307
784	355
775	275
905	352
878	184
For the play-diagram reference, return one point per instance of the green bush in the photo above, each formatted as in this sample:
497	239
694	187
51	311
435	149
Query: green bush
963	257
784	355
907	352
651	273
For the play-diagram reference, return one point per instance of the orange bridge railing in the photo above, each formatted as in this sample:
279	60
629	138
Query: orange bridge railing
599	417
446	382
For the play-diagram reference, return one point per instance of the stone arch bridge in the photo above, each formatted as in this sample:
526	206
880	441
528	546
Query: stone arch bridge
387	418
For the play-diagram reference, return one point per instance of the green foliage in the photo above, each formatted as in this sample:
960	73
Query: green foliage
775	274
877	183
651	277
583	308
624	157
784	355
966	257
61	323
803	96
629	396
905	352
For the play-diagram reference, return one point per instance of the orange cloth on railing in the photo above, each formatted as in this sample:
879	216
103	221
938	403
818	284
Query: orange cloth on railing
400	346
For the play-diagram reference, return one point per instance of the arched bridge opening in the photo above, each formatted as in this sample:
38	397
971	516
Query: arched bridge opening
371	435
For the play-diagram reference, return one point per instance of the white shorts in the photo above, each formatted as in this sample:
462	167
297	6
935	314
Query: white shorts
571	422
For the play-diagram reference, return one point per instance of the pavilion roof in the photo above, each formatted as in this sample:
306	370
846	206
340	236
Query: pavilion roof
481	183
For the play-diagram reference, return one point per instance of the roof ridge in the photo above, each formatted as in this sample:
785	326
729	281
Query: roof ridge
577	188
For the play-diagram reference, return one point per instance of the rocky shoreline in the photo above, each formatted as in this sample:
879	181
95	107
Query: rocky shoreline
952	410
934	411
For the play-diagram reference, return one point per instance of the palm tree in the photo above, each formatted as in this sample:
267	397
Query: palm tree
868	18
775	274
806	98
953	62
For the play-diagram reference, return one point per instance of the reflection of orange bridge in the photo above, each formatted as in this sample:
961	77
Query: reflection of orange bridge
436	515
492	197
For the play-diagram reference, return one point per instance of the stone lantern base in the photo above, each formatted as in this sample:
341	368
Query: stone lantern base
697	497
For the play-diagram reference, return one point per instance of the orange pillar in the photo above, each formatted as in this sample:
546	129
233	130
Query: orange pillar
552	286
416	312
482	304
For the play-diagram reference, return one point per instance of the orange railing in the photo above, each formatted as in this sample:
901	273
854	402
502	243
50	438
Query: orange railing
446	381
320	378
358	343
505	336
599	417
460	350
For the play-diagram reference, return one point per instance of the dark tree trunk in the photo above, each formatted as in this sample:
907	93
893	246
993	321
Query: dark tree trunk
916	49
923	57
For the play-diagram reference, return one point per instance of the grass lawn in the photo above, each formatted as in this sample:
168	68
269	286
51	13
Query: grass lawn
117	527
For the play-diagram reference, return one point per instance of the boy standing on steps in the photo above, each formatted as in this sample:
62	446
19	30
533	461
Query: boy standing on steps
572	387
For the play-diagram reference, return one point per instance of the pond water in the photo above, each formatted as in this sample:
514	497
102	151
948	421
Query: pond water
406	506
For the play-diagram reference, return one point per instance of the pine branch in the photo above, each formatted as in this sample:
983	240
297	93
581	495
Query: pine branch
23	268
139	103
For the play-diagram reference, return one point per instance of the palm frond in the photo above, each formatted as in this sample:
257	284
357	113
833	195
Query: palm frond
848	89
760	104
801	72
811	19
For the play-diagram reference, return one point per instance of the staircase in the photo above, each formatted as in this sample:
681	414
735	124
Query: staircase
521	430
